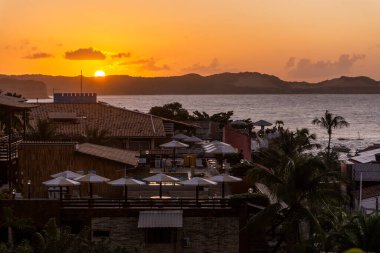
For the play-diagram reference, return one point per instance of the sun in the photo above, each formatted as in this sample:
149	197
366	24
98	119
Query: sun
99	73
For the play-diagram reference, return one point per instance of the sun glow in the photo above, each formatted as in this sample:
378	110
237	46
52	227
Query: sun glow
99	73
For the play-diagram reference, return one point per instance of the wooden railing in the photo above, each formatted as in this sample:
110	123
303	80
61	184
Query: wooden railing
146	203
4	148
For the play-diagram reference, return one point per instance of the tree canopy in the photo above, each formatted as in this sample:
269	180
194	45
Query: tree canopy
175	111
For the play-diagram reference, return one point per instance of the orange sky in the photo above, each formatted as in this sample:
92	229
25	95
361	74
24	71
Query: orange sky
295	40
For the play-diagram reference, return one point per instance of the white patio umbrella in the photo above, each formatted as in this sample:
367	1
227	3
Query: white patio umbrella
174	144
192	139
67	174
239	123
60	182
225	178
126	182
179	136
219	149
197	181
92	178
160	178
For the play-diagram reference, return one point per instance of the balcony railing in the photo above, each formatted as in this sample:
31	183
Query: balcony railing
147	203
4	148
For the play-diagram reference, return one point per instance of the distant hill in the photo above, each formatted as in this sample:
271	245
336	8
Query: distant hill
224	83
27	88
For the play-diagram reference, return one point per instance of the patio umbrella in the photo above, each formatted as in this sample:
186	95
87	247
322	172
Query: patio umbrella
224	178
174	144
60	182
67	174
91	178
197	182
160	178
179	137
125	182
239	123
262	124
192	139
219	149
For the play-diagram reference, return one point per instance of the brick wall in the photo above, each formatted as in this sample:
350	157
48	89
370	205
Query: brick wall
238	140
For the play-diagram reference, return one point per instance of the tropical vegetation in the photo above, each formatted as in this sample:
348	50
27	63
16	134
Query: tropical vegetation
45	130
175	111
307	210
51	239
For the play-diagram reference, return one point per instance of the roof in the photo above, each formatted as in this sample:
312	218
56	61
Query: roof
370	171
191	125
113	154
366	156
262	123
117	121
160	219
14	103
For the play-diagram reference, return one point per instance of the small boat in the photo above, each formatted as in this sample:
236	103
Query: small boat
359	139
343	139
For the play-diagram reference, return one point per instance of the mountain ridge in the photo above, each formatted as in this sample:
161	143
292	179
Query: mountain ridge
222	83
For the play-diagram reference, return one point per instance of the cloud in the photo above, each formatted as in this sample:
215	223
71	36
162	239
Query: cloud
291	62
39	55
306	68
85	54
204	69
149	64
121	55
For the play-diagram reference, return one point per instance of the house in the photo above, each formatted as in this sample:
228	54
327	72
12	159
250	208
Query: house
12	110
75	114
369	199
239	140
364	170
39	160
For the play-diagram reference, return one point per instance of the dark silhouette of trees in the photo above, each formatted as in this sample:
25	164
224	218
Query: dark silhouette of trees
45	130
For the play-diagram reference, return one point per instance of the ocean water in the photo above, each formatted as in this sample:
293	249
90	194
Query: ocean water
297	111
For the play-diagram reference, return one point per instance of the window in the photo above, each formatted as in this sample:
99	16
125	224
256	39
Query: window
158	235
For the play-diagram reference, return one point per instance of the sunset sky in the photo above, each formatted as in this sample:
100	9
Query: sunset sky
308	40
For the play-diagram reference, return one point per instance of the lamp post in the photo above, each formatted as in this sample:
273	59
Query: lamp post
13	193
29	183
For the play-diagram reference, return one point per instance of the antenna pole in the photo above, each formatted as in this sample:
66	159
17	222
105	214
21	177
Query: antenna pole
81	82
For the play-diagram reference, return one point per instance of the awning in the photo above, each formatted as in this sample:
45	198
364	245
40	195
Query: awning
160	219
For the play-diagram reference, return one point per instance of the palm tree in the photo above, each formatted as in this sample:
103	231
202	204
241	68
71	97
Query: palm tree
286	146
45	131
329	122
97	135
297	191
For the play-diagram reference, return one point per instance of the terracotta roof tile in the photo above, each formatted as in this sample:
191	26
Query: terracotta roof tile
117	121
114	154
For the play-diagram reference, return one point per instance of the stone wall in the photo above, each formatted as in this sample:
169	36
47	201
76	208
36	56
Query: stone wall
211	234
203	234
123	231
